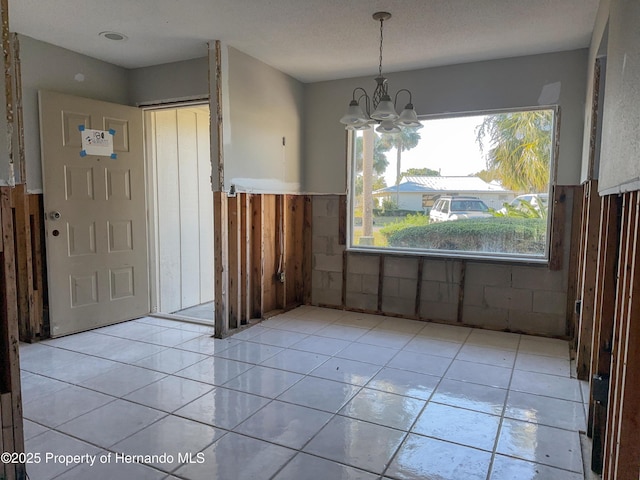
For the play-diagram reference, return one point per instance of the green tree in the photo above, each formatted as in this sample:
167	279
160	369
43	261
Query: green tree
407	139
380	149
520	149
420	172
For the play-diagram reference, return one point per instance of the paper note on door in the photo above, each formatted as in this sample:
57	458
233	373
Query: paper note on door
97	142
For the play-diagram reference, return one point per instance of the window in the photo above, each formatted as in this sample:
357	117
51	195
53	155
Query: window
471	185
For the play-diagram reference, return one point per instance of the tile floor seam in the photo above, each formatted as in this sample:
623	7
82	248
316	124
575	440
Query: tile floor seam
504	407
408	432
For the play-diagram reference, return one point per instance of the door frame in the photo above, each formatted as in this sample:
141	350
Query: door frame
152	207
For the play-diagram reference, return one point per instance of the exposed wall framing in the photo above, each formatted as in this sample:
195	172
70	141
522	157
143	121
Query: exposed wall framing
11	435
604	311
621	447
267	235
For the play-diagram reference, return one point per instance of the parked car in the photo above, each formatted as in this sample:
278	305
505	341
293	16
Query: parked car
456	208
539	201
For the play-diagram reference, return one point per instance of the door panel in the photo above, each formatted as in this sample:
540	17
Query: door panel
95	210
184	206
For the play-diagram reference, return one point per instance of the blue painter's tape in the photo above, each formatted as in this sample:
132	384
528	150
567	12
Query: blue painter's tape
112	131
83	153
81	128
114	156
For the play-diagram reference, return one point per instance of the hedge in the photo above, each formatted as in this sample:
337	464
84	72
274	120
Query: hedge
496	234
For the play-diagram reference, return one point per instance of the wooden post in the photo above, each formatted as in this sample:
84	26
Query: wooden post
574	256
220	264
307	265
589	264
245	259
234	261
257	260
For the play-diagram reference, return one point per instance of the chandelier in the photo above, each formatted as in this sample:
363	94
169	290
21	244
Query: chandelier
384	110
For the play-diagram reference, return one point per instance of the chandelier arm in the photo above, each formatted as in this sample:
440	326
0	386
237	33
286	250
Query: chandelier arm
366	97
395	100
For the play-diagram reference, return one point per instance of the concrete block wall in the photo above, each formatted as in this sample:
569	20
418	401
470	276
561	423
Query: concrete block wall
326	276
498	295
527	298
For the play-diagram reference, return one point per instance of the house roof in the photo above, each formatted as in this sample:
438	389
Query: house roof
424	184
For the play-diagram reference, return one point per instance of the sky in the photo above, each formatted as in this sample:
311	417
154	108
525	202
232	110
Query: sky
447	144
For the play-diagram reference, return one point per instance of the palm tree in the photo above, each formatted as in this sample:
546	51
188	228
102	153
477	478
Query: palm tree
520	153
407	139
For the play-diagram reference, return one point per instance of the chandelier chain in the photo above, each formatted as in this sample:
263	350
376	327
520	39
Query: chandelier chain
381	38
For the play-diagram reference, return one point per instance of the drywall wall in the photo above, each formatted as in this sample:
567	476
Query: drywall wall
619	158
262	141
47	67
549	79
170	82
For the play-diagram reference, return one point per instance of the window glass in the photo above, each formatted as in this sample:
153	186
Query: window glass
473	185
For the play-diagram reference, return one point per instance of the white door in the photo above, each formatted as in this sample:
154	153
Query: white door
183	204
95	209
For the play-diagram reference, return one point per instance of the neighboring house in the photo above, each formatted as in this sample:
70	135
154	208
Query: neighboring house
418	193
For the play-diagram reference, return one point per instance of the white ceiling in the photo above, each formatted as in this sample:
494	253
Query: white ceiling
311	40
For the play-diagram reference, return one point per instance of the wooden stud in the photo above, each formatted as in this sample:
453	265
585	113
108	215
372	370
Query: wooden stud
558	221
217	137
294	250
280	253
380	281
220	264
342	219
307	262
589	264
245	259
257	259
37	289
234	275
463	273
416	310
270	237
574	255
604	311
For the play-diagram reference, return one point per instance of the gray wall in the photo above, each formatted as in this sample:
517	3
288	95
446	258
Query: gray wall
169	82
550	79
47	67
619	159
263	106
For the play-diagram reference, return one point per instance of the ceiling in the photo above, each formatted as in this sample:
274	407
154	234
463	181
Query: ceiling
311	40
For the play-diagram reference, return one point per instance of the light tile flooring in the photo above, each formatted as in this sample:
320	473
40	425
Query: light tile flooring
310	394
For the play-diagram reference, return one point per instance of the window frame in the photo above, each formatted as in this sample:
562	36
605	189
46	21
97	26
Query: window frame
453	254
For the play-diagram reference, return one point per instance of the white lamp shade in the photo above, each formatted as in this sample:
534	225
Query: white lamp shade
408	117
386	110
387	126
354	115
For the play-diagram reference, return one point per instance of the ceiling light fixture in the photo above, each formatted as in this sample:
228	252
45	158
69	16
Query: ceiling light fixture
115	36
384	110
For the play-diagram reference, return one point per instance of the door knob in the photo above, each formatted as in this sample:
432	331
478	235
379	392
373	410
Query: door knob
54	215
